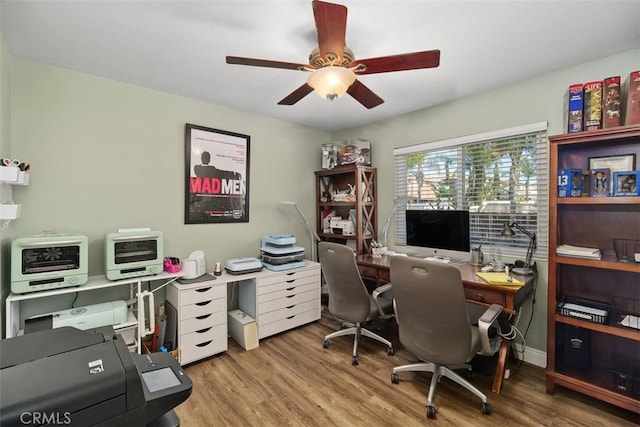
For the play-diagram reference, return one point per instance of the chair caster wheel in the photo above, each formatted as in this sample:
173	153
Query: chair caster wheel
354	360
390	351
325	344
486	408
431	411
395	379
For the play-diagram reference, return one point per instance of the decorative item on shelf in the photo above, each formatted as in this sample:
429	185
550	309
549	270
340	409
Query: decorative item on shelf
627	249
377	250
626	162
625	184
593	105
570	182
573	100
355	151
344	195
329	155
631	92
508	231
599	182
611	102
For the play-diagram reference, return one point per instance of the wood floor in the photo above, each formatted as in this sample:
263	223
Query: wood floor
290	380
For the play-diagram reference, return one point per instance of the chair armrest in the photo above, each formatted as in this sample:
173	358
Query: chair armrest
486	320
377	292
380	290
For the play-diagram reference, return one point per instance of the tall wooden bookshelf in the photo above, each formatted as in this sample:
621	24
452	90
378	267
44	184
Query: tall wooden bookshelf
360	206
594	355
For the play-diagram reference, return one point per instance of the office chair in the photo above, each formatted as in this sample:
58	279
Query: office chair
349	300
433	323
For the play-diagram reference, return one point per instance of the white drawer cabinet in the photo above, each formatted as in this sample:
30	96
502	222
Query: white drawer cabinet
202	318
282	300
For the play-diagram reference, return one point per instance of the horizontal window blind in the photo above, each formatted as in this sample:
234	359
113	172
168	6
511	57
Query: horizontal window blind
499	177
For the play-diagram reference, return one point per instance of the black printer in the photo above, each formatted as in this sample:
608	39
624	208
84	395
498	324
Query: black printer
67	376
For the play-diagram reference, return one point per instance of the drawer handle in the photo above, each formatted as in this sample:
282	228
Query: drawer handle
480	296
290	289
290	307
291	281
203	316
291	296
203	303
291	317
291	273
204	344
202	331
203	289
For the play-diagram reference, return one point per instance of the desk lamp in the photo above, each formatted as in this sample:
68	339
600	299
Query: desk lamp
313	236
382	236
507	230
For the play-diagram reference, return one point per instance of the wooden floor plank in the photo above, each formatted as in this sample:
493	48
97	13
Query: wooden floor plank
291	380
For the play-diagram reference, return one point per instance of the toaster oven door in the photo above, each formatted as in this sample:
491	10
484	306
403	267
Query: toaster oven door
46	259
132	251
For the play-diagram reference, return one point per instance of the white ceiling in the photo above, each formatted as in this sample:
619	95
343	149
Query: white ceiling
180	46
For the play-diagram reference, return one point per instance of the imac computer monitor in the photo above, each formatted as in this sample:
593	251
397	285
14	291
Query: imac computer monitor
440	230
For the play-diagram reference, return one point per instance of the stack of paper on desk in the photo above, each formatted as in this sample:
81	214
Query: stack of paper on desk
578	251
498	279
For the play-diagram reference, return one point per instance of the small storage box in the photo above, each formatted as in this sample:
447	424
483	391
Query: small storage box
243	329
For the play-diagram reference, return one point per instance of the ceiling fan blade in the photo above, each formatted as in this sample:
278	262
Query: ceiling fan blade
331	26
296	95
364	95
402	62
266	63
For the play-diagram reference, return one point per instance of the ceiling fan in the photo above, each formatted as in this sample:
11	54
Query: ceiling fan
333	66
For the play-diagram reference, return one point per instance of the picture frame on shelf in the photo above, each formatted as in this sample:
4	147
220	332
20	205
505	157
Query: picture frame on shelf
619	163
626	183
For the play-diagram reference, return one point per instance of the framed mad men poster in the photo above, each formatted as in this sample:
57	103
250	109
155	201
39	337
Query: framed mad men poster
217	176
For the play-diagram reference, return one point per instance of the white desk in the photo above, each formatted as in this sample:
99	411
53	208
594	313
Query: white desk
277	300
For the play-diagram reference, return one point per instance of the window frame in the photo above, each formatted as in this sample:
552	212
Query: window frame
515	246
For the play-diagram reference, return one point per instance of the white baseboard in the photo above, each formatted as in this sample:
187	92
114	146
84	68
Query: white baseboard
532	355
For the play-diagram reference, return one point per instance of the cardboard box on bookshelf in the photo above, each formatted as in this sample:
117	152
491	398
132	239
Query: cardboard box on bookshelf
599	182
573	106
570	183
612	102
631	92
593	105
625	183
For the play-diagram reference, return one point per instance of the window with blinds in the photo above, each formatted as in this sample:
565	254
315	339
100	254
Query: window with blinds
499	177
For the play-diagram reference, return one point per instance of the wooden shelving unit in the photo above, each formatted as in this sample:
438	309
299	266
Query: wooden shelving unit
608	366
363	181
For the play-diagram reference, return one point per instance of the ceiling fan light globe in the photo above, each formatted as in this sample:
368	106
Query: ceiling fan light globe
331	82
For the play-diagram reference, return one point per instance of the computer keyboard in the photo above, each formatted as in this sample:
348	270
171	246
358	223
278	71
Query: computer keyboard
438	259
